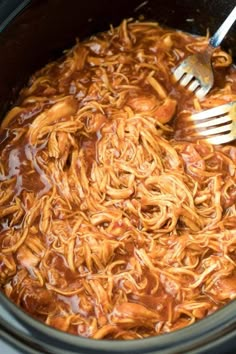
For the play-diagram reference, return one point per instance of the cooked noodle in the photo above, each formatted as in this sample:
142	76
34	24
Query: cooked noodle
110	227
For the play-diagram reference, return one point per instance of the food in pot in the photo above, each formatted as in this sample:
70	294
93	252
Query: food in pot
109	226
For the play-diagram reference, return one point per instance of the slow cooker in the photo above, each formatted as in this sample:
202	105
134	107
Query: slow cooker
35	32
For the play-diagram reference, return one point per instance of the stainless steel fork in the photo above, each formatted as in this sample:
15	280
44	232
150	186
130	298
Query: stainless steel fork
195	72
216	125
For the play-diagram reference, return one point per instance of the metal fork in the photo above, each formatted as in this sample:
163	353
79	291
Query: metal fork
196	70
216	125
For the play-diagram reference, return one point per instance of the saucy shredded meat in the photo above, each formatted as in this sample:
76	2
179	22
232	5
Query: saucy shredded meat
111	226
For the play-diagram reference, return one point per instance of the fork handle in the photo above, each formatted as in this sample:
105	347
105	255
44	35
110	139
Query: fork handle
218	37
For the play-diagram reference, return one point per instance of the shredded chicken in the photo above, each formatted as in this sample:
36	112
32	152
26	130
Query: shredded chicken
109	227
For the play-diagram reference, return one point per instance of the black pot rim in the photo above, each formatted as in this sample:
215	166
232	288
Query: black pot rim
192	337
13	11
198	335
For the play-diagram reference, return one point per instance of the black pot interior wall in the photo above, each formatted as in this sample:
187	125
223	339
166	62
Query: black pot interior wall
46	27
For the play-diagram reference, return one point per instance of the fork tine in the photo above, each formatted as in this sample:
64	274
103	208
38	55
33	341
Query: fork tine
192	87
186	79
221	139
201	92
212	112
212	122
178	73
222	129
